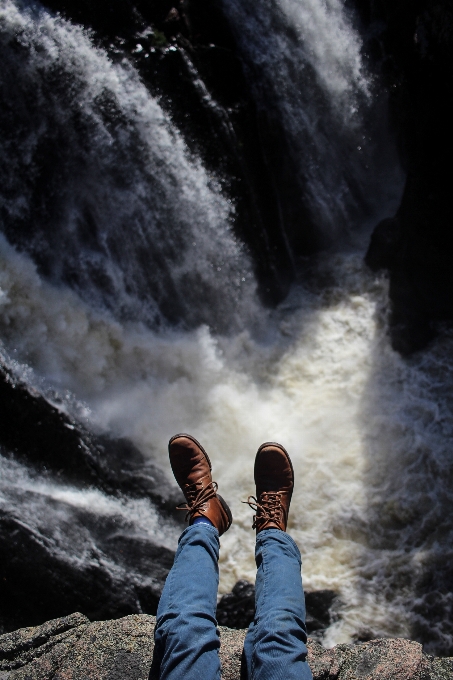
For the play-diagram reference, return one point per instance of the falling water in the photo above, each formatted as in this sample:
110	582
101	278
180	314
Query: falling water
122	212
139	235
305	67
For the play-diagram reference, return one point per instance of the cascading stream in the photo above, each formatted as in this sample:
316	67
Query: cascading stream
100	189
368	431
131	233
304	63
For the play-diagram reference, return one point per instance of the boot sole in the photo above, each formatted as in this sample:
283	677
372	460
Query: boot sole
189	436
277	446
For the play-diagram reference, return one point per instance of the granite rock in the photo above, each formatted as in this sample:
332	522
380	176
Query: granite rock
72	648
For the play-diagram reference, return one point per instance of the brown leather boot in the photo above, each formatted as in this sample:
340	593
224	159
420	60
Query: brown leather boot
192	469
274	479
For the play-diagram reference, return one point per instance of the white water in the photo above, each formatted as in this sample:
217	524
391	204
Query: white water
129	211
368	431
320	34
71	541
304	64
358	420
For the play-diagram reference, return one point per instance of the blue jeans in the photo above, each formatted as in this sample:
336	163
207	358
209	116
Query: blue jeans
186	636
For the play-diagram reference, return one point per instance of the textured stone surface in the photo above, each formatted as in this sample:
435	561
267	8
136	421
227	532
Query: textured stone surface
231	643
72	648
27	645
388	659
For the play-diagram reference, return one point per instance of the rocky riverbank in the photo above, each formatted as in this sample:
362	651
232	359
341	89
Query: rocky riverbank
40	575
75	648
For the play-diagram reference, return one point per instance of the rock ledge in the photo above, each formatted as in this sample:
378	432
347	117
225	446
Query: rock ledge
73	648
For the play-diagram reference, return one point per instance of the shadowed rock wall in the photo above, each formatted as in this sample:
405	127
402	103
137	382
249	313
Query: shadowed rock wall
413	42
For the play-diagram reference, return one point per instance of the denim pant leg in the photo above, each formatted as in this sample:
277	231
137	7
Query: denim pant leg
275	645
186	637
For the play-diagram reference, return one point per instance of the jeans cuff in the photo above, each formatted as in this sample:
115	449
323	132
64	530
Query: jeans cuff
199	527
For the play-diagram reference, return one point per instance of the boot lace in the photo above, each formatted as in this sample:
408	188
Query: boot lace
197	497
268	509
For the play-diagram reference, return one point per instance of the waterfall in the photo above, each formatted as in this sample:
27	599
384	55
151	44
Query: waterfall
100	189
304	64
126	300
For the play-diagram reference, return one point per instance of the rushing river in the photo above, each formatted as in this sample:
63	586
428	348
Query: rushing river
136	304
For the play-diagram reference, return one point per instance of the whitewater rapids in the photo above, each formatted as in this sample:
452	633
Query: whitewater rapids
133	306
355	417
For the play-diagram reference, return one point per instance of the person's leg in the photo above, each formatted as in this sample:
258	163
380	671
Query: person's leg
275	645
186	637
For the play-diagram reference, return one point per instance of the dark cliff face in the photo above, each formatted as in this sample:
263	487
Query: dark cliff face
413	41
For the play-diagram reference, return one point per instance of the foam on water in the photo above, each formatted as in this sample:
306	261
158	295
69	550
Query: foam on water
368	432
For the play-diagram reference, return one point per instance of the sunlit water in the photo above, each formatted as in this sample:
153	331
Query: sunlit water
356	418
143	236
